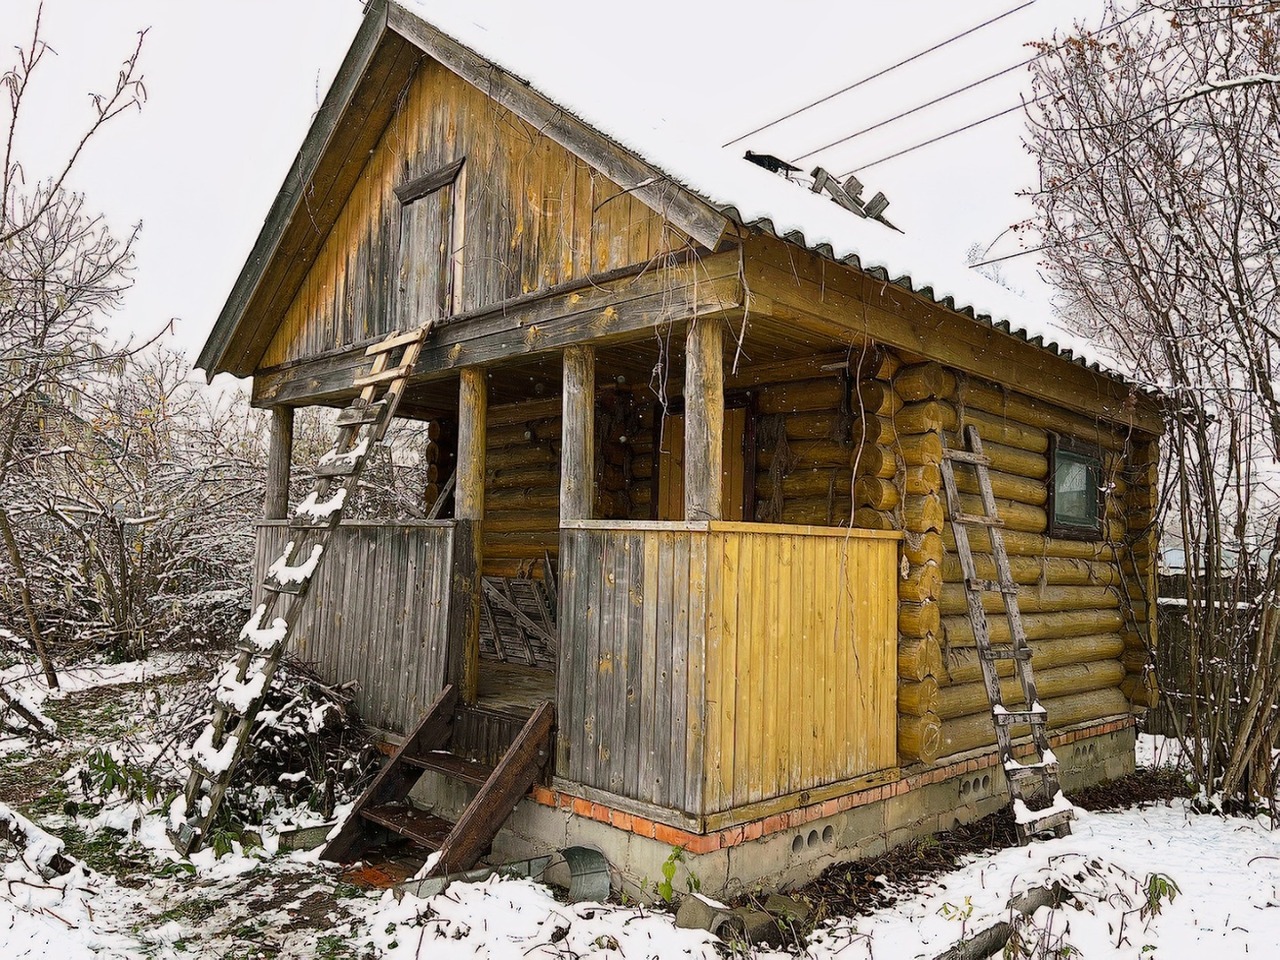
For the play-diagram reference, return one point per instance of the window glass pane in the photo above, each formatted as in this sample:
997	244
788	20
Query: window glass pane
1075	489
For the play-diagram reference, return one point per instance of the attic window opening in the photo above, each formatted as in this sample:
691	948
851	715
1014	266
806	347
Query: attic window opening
1075	490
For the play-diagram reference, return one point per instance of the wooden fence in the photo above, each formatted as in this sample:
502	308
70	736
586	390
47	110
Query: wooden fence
378	613
707	667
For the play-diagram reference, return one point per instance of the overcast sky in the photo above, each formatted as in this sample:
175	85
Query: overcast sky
232	87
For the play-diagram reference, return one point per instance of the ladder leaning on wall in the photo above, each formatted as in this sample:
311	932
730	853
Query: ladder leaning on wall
1042	772
240	687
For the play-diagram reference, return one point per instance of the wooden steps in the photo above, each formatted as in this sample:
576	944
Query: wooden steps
385	811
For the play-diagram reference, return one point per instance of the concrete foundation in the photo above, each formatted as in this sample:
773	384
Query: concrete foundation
785	851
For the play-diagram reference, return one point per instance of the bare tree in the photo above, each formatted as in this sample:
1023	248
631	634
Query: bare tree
60	271
1158	143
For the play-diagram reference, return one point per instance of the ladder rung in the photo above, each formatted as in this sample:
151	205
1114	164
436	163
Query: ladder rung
1050	821
1005	651
992	586
342	467
1027	771
309	522
397	340
1013	718
294	587
965	456
975	519
371	379
359	414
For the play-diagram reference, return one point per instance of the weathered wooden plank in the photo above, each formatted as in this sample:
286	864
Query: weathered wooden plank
704	419
695	693
634	597
680	655
663	676
646	746
577	450
279	463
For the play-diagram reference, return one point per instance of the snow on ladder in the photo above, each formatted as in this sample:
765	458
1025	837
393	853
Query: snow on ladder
239	689
1043	772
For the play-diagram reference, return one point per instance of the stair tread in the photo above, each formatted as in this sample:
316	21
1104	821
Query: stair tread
450	764
425	829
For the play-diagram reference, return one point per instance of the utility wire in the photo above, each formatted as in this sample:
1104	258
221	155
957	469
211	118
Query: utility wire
968	126
907	113
879	73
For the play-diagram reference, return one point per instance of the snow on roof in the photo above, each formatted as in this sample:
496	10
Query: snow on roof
657	110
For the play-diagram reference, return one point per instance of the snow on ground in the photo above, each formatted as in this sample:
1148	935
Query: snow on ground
134	897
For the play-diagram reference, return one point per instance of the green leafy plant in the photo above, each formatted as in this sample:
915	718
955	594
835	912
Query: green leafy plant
1158	888
108	775
665	888
960	914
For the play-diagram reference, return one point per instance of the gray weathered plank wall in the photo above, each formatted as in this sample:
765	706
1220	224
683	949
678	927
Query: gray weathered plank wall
378	613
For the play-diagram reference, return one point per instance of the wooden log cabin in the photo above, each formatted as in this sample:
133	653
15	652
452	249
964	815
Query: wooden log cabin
698	500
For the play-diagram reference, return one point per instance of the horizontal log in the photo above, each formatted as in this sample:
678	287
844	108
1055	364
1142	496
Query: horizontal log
922	582
921	548
919	738
1038	413
874	462
533	475
958	632
918	698
1033	598
919	448
1018	543
1016	516
640	493
834	482
522	521
1142	689
522	455
1006	486
924	479
828	393
806	454
815	511
921	514
528	431
925	416
868	518
977	730
923	381
918	619
526	411
994	428
963	665
873	397
875	492
873	429
962	699
919	657
1058	571
829	425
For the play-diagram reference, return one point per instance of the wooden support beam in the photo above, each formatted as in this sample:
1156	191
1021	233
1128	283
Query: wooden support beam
279	461
577	450
473	403
704	419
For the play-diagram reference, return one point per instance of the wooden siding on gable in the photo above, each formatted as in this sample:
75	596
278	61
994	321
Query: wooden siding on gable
533	215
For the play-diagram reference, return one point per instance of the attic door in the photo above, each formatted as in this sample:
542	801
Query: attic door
430	255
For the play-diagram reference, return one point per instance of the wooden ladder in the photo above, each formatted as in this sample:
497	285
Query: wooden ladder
385	808
241	686
1043	771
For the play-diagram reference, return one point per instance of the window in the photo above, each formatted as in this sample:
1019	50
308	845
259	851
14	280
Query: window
1075	503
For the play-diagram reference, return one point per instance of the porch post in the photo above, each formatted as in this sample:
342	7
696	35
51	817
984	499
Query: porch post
703	418
464	645
578	435
279	459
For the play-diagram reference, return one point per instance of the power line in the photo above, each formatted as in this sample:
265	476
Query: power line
976	123
879	73
907	113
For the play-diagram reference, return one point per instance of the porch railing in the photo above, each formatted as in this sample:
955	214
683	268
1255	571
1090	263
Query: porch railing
709	667
379	613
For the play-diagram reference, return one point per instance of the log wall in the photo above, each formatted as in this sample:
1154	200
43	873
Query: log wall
378	613
710	666
1080	599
